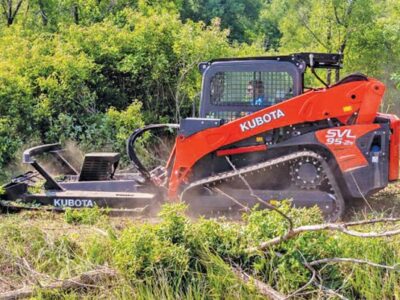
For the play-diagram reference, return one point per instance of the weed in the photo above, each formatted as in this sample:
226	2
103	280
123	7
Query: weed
86	216
37	188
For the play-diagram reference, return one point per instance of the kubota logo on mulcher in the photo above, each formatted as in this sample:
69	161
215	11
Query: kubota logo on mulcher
264	119
73	202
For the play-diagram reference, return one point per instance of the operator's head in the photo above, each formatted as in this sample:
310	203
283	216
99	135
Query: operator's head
255	89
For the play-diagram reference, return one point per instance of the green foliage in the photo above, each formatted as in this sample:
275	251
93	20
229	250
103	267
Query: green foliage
174	224
166	256
98	250
32	245
240	17
143	252
95	82
9	141
207	245
140	254
366	32
36	188
87	216
181	258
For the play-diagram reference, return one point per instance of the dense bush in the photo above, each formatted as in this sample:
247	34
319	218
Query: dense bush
67	66
95	84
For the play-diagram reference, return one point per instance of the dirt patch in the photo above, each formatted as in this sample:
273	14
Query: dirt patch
384	203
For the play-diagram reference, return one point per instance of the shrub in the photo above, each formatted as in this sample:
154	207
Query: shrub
140	254
87	216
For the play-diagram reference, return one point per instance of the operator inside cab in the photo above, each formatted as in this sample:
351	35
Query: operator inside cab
235	94
255	91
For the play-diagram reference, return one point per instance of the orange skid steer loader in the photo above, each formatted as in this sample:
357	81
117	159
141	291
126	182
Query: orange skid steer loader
258	128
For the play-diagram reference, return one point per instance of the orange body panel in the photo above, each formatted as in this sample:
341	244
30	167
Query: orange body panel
341	141
341	102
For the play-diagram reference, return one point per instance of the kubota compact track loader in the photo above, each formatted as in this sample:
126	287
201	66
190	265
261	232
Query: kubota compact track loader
260	135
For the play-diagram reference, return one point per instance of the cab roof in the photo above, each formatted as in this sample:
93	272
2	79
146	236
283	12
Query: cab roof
310	59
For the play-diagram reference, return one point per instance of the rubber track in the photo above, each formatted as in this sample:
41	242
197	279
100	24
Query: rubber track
225	176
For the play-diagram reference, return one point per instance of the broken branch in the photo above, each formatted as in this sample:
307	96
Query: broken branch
317	279
353	260
269	206
87	279
330	227
245	208
261	287
372	221
302	288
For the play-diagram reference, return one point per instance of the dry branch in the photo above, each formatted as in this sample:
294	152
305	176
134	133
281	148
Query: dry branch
353	260
261	287
87	280
302	288
269	206
317	281
330	227
372	221
245	208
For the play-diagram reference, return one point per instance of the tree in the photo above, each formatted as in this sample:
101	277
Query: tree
239	16
363	30
60	85
10	10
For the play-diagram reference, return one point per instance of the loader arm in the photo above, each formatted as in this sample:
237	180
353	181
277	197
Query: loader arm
355	101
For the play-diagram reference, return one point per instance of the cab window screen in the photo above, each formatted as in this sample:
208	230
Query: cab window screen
250	88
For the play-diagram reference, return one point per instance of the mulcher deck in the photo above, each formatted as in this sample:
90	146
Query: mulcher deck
80	199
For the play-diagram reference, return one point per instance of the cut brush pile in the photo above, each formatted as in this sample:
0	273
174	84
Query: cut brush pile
91	255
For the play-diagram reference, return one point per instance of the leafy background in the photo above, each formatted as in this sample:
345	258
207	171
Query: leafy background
92	71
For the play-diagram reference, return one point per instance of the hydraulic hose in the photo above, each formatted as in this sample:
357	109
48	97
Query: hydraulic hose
130	146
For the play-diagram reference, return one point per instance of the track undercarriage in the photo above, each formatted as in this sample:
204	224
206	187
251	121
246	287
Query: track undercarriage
303	177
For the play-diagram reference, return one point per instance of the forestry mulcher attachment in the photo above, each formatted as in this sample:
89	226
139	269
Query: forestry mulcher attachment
261	135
